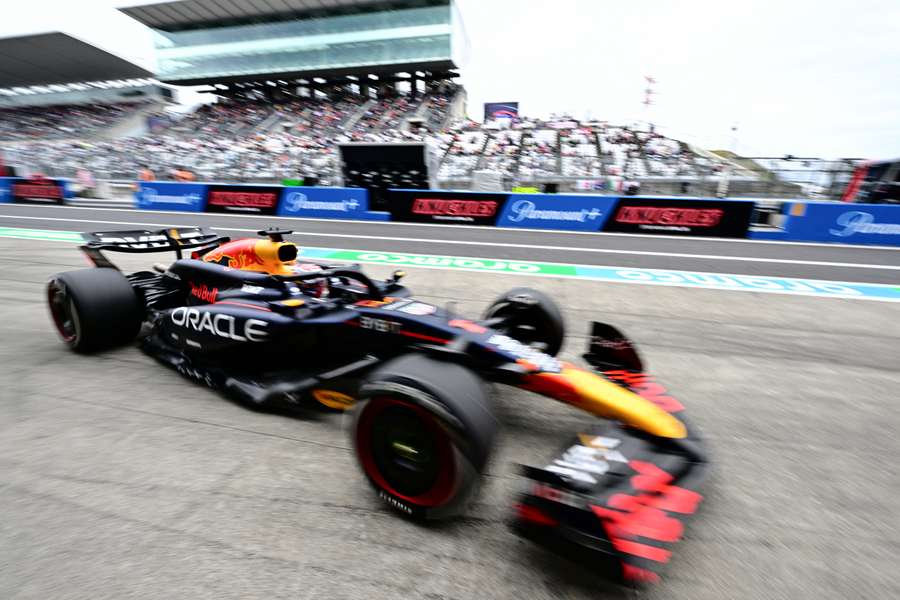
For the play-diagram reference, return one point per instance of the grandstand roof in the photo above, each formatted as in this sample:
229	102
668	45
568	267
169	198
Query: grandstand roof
174	15
52	58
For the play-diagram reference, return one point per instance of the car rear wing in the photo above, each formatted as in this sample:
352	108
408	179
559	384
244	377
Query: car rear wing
140	241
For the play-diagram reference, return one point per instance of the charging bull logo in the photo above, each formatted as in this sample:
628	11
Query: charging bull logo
239	254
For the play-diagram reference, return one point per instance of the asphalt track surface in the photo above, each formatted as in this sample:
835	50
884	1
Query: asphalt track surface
122	480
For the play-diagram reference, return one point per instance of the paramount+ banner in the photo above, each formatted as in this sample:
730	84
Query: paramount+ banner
170	196
676	216
843	223
556	211
327	203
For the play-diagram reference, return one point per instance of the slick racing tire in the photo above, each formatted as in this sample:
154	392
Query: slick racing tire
94	309
531	317
423	432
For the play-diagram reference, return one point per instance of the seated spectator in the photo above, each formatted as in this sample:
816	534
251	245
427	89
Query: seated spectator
146	174
183	174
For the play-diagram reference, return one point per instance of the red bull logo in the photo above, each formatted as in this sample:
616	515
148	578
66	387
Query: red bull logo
204	293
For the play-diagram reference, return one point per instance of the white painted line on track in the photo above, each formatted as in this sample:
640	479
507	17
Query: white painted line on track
653	236
786	261
601	274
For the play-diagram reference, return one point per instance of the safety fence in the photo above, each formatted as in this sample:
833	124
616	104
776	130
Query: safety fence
786	220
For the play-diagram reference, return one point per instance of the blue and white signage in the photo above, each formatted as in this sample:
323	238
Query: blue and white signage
6	189
169	195
856	222
844	223
556	211
324	203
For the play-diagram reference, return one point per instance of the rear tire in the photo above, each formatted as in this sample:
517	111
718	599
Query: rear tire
423	434
94	309
531	317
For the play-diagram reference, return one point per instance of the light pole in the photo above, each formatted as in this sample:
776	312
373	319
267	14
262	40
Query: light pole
648	100
722	190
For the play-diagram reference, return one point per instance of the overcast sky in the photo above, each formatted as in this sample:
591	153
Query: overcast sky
819	78
800	77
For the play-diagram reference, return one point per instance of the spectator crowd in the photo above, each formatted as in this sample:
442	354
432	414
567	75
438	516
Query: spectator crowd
49	122
256	140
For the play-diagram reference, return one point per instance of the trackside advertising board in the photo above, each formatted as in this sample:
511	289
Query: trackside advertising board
170	195
556	211
327	203
677	216
571	212
438	206
292	201
522	211
843	223
36	189
248	199
6	189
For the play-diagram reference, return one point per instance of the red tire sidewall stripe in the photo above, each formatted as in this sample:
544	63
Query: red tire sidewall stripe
444	487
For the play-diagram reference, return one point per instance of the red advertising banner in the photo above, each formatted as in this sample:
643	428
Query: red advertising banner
434	206
674	216
38	189
242	198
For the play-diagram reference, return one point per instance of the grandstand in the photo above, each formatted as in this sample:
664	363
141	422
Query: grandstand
291	84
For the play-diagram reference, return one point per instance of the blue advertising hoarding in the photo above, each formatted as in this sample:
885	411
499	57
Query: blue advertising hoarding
843	223
326	203
556	211
6	189
169	195
813	221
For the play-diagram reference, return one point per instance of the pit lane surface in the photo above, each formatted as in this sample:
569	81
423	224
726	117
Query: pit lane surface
121	479
810	261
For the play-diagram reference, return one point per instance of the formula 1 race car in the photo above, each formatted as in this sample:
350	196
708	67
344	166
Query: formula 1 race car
247	318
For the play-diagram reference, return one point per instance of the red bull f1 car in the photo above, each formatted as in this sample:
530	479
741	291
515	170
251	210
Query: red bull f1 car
248	318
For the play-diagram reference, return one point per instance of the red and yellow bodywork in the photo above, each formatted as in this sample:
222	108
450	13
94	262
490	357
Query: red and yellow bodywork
599	396
253	255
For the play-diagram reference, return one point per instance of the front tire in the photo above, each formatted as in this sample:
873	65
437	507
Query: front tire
531	317
94	309
423	434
